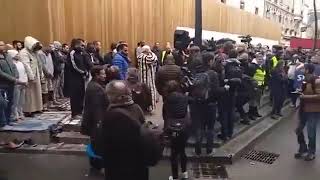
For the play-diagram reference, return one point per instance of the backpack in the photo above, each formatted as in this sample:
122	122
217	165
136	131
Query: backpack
201	86
233	71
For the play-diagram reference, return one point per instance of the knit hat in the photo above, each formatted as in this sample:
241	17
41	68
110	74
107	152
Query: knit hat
11	54
118	93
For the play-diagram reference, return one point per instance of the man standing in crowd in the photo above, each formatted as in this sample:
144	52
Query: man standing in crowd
95	104
169	71
77	69
108	57
121	60
8	80
122	151
29	56
19	90
203	110
309	114
97	53
258	74
156	49
58	59
91	50
18	45
278	83
233	75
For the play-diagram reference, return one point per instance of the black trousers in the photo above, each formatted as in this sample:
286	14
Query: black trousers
277	102
178	145
77	91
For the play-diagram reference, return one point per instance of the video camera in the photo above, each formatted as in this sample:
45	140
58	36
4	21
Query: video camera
246	39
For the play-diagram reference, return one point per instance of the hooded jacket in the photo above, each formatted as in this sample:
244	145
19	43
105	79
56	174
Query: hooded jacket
30	58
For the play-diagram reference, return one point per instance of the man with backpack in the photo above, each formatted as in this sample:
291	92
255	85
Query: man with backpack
204	94
233	75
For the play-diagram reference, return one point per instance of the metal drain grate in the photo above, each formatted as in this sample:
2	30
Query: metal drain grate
261	156
208	171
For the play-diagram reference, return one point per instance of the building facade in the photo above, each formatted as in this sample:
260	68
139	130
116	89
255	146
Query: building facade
295	16
251	6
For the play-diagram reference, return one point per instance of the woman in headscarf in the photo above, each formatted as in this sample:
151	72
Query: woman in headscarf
141	93
147	62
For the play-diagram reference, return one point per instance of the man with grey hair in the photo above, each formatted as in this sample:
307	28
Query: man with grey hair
119	140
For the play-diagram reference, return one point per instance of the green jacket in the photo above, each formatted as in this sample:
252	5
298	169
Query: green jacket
8	72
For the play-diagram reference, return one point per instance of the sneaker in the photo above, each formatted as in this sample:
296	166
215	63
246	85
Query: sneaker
275	117
252	117
245	122
198	151
223	138
171	178
300	155
184	175
310	157
210	152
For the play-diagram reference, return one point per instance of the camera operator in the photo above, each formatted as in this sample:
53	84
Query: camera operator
204	93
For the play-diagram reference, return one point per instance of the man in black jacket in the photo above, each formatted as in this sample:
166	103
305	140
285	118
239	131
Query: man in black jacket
227	102
77	70
120	138
203	114
169	71
95	104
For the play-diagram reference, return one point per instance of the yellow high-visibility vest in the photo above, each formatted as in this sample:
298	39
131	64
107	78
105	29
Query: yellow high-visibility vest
163	55
259	76
274	62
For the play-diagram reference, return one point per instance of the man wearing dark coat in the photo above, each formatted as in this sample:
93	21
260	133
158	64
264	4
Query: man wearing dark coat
77	70
120	139
95	104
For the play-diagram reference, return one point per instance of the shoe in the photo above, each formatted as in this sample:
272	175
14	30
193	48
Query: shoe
210	152
280	115
12	124
198	151
171	178
77	117
275	117
184	175
223	138
310	157
300	155
245	122
252	117
29	115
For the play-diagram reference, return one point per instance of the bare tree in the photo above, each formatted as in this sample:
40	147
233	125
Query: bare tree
315	25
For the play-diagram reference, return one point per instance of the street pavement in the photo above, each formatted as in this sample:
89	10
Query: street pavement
280	140
58	167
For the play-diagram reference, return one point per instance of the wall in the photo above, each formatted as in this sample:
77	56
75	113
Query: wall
114	20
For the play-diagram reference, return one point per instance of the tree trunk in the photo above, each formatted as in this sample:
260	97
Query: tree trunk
315	25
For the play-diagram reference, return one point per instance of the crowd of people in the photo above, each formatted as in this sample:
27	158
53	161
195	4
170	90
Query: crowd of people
199	86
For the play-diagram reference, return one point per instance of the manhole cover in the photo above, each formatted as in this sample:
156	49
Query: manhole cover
261	156
208	171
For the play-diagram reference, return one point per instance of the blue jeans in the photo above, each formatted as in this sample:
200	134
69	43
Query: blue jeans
310	119
6	107
203	119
